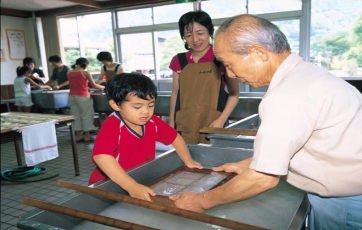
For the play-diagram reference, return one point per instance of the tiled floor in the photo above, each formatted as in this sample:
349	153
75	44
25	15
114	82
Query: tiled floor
47	190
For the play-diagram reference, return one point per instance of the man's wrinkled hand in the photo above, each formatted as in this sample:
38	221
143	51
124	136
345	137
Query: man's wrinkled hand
189	200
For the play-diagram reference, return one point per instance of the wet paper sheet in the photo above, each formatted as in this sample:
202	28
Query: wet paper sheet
187	180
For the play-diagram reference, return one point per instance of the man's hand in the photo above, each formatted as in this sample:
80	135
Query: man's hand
189	200
235	167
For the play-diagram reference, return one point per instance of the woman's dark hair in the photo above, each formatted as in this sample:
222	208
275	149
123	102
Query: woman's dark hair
21	70
82	62
200	17
55	58
28	60
104	56
118	87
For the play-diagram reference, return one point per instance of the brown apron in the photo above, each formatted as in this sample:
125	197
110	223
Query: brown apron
199	86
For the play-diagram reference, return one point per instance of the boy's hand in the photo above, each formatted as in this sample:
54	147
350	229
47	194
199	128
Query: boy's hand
193	164
141	192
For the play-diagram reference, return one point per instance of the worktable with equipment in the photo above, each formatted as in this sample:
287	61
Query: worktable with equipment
284	207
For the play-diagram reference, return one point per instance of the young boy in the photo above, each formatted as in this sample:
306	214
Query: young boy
128	136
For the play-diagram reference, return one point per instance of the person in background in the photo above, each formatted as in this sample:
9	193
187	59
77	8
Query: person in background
37	75
22	88
80	102
311	128
128	136
201	94
109	68
59	75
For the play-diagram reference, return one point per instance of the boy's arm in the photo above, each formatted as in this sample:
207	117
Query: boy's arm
183	152
109	165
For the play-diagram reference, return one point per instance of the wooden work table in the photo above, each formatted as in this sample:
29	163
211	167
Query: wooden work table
11	122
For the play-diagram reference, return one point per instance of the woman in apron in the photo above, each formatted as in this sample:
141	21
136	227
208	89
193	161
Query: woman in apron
109	68
202	96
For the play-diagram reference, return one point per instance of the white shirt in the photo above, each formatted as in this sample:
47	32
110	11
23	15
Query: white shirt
311	130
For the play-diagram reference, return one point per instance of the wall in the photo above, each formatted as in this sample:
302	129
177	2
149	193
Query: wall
8	67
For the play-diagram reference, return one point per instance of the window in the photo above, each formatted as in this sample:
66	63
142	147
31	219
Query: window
168	44
291	30
336	36
170	13
137	53
266	6
148	37
69	38
86	36
219	9
139	17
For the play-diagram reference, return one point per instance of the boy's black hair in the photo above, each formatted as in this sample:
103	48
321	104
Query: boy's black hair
104	56
21	70
55	58
118	87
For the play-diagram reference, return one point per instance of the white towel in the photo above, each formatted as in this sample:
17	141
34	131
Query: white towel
40	143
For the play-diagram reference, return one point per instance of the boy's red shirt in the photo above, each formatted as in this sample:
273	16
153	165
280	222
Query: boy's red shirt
116	139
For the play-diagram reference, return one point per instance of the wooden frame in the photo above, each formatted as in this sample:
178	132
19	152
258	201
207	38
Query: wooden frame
16	44
164	200
202	217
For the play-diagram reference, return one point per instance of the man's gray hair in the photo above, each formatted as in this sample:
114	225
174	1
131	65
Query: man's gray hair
246	30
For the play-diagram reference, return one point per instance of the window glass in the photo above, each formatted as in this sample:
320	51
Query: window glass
139	17
291	30
168	44
137	53
266	6
336	37
43	57
95	38
170	13
79	39
222	9
69	39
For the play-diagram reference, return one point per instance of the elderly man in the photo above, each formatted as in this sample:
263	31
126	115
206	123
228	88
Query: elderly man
311	128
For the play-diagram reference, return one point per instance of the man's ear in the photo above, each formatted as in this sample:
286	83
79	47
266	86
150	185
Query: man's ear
260	51
113	105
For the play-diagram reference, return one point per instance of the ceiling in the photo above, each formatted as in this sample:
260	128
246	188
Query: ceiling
40	7
35	5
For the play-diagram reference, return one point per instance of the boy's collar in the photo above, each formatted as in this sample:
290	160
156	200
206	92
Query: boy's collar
118	114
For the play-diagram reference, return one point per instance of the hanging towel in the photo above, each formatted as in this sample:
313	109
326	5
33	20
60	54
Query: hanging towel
40	143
